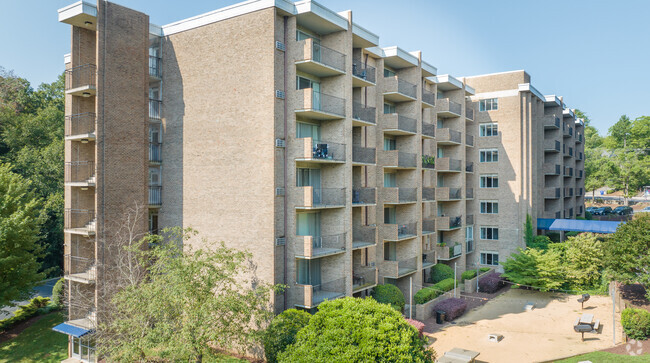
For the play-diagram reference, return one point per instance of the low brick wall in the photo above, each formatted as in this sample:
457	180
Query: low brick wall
470	285
425	311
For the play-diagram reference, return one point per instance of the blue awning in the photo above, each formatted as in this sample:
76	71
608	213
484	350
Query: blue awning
577	225
68	329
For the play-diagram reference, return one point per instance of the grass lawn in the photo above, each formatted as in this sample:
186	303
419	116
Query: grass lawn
38	343
606	357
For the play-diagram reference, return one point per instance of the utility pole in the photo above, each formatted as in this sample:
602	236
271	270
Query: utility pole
477	272
411	297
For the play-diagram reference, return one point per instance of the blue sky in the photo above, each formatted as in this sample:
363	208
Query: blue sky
594	53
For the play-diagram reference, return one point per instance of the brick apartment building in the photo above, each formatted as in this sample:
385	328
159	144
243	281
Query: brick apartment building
284	129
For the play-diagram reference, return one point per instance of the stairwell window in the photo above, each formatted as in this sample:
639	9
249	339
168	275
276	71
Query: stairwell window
489	207
489	258
490	104
490	233
488	129
488	155
489	181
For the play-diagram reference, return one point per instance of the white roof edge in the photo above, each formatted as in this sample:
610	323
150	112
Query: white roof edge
527	87
67	58
376	51
80	7
364	33
155	30
396	51
580	122
495	73
553	98
447	78
307	6
429	68
470	90
569	112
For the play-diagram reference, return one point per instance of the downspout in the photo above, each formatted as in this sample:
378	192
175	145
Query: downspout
103	149
284	80
365	135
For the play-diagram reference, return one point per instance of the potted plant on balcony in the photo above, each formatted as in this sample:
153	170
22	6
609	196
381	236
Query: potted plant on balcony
428	161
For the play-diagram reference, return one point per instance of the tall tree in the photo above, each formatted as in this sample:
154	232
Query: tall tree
619	133
631	171
20	223
584	259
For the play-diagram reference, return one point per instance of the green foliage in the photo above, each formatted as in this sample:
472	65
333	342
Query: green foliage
57	292
540	242
529	233
357	330
282	331
389	294
37	343
467	275
554	237
636	323
20	223
571	234
191	300
537	268
618	133
37	305
441	272
429	293
584	260
428	160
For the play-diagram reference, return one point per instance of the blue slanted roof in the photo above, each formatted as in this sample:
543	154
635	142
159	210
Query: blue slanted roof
69	329
577	225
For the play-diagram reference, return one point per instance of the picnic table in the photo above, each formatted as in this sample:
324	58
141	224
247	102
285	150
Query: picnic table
585	324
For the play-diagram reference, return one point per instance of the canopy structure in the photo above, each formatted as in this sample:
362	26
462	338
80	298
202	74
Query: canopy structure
577	225
69	329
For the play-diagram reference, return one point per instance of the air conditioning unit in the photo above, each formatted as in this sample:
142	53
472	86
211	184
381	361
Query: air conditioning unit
279	94
280	241
279	191
280	46
279	142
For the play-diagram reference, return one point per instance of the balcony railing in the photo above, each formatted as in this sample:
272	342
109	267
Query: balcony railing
363	71
309	296
81	76
155	153
320	246
364	236
448	108
315	52
428	97
552	169
398	159
396	269
469	193
428	194
428	161
79	219
469	111
155	106
428	130
446	253
319	102
447	193
155	195
469	140
552	145
469	219
396	232
80	172
428	226
447	135
80	268
363	277
446	222
314	197
155	68
469	167
396	85
363	155
551	193
428	259
321	151
568	171
551	122
80	124
448	164
363	113
407	195
364	196
398	122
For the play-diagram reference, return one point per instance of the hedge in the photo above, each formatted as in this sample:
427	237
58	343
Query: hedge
282	331
429	293
36	306
636	323
452	307
389	294
417	325
490	283
441	272
57	292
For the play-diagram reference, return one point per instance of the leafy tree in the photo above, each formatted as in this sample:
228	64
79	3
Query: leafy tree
529	233
282	331
631	171
391	295
536	268
357	330
20	223
619	133
189	301
58	292
639	137
598	170
591	136
627	252
541	242
584	259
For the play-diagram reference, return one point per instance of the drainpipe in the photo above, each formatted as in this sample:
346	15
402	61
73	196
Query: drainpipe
284	80
365	138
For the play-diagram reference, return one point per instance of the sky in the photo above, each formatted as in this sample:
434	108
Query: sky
594	53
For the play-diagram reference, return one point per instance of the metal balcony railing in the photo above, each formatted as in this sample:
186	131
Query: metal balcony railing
428	226
404	160
407	195
395	269
363	71
79	218
394	84
448	252
552	169
80	76
155	195
448	135
469	140
335	242
552	145
551	193
363	113
428	129
328	151
327	196
310	295
447	193
469	111
364	155
155	68
319	101
552	122
316	52
428	194
469	219
363	277
445	222
399	122
79	171
364	236
469	193
447	105
155	153
448	164
364	196
80	268
428	97
155	106
469	167
80	124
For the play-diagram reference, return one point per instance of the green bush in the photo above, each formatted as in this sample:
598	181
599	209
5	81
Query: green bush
467	275
554	237
357	330
282	331
572	234
37	305
541	242
391	295
441	272
588	216
429	293
636	323
57	292
483	269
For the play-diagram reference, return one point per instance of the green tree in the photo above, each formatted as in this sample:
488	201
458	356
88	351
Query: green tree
357	330
536	268
631	171
584	259
189	301
391	295
529	233
627	252
619	133
591	136
640	133
598	170
20	223
282	331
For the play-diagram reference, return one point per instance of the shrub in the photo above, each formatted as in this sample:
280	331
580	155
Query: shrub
444	285
389	294
417	325
483	269
467	275
588	216
357	330
57	292
441	272
452	307
571	234
429	293
37	305
490	283
541	242
282	331
554	236
636	323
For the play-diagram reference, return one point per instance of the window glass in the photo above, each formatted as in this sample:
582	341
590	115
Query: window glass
489	181
390	144
489	129
489	207
390	216
490	104
390	180
489	155
489	233
389	108
388	73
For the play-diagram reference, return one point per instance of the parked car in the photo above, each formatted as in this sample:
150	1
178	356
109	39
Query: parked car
602	211
644	210
623	210
591	209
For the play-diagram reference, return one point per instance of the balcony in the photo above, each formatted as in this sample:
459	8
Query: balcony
80	14
469	245
320	198
448	165
469	111
428	98
568	172
397	90
82	314
552	169
396	159
568	192
579	137
446	223
579	174
447	136
399	195
80	174
80	127
448	108
322	152
81	80
428	130
79	221
318	105
155	68
398	269
363	155
551	122
363	278
363	236
469	167
308	247
155	153
428	226
319	60
399	232
362	197
428	162
155	106
363	75
309	296
469	193
447	253
552	146
551	193
396	124
155	196
445	194
80	269
469	140
428	194
362	115
429	259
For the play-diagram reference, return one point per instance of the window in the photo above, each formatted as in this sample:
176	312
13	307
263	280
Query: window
390	180
390	251
489	258
155	133
490	233
489	155
469	233
303	83
440	95
308	272
302	35
490	104
390	144
389	108
489	181
154	176
153	222
306	177
389	73
389	215
489	207
307	130
489	129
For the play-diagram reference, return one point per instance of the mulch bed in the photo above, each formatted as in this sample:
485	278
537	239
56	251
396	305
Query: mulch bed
629	347
18	328
635	295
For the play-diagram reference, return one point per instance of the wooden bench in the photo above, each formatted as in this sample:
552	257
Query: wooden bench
596	325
